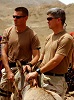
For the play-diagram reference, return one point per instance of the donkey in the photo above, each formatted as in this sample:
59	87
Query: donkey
29	92
37	93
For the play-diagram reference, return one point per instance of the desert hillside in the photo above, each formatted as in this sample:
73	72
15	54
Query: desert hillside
37	15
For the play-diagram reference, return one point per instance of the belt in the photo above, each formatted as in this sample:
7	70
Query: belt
13	64
53	74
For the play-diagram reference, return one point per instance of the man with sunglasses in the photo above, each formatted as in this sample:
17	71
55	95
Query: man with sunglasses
20	43
56	55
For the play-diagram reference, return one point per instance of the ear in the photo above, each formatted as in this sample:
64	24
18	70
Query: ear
59	19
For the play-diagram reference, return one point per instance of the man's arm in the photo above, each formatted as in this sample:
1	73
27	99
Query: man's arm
42	56
47	67
52	63
5	61
4	57
36	55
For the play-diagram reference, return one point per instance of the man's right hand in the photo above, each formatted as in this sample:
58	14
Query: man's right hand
26	68
10	76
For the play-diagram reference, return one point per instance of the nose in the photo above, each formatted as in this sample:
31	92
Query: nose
14	18
47	21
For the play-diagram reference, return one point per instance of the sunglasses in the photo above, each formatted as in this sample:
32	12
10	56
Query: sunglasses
50	18
17	17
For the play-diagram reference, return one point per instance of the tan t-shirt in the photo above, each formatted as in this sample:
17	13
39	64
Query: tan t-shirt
20	45
60	43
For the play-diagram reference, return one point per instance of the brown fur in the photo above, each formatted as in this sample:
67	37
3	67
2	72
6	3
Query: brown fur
37	93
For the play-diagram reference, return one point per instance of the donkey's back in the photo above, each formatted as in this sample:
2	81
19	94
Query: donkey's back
37	93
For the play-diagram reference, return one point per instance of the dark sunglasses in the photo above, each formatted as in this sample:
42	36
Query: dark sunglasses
50	18
17	17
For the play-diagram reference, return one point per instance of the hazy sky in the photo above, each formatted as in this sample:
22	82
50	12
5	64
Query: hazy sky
67	1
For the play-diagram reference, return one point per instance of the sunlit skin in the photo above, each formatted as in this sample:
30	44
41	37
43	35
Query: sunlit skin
20	23
55	24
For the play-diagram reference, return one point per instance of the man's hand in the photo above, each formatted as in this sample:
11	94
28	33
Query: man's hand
31	75
26	68
35	82
10	76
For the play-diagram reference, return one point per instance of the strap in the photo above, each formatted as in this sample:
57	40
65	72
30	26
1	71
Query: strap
5	93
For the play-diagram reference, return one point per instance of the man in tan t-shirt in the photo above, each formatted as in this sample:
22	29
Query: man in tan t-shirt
19	43
56	54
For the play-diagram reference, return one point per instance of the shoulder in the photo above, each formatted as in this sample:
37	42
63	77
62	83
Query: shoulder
67	36
7	30
49	36
31	31
66	39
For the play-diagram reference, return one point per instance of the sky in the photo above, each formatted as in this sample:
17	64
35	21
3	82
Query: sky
67	1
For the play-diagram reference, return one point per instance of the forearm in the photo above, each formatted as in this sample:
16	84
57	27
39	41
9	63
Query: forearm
5	62
52	63
48	66
10	75
42	56
4	57
35	60
36	55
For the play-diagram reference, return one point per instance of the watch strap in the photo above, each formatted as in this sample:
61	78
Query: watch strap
38	71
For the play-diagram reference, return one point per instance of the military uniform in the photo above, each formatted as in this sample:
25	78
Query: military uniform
20	46
54	79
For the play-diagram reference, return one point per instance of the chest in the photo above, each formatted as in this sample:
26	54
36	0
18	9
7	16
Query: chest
20	40
51	45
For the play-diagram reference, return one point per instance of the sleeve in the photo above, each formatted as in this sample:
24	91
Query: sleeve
64	46
5	35
35	42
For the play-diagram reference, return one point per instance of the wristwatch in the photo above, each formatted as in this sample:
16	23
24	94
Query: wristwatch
38	71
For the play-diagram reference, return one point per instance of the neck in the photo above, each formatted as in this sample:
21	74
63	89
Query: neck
57	30
20	29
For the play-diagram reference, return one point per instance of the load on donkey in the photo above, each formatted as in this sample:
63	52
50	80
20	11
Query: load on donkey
30	92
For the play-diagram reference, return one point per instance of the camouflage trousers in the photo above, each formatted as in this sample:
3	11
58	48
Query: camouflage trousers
7	87
56	84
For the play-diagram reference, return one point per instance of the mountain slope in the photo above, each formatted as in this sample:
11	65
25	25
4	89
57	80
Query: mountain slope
37	14
35	2
27	2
